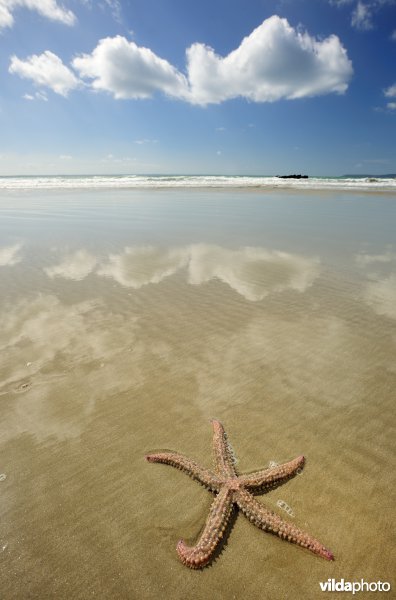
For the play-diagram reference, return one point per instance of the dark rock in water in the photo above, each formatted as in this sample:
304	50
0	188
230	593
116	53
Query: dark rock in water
294	176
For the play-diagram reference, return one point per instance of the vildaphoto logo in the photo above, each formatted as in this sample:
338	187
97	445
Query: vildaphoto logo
332	585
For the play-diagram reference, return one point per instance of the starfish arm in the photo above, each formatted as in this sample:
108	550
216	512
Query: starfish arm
270	521
199	555
270	477
223	455
204	476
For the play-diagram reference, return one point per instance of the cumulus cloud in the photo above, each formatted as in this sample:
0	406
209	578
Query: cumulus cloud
129	71
45	70
275	61
74	266
50	9
10	255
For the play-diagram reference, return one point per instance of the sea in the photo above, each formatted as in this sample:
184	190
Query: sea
135	309
345	182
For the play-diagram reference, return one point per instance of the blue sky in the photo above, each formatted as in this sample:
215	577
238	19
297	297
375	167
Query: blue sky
176	86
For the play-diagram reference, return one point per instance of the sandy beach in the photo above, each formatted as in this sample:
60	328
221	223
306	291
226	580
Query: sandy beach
130	318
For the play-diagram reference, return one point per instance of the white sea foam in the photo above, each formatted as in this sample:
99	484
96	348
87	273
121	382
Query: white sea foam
195	181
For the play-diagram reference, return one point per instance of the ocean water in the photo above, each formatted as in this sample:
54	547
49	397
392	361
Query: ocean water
364	183
130	317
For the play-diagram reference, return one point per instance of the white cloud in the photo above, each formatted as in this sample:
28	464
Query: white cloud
10	255
390	92
46	70
362	17
46	8
115	7
275	61
393	36
129	71
362	14
36	96
6	18
146	141
74	266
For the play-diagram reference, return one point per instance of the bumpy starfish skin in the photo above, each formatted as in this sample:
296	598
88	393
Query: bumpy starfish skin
231	488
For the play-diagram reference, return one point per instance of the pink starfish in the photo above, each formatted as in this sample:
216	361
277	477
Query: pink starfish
231	488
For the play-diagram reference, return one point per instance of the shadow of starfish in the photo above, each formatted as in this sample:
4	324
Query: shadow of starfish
231	488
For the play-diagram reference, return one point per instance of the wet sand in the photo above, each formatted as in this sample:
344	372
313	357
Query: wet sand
129	320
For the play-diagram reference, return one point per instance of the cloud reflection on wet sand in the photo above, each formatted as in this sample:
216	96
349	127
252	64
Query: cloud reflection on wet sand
138	266
318	360
57	359
75	266
252	272
381	296
10	255
380	292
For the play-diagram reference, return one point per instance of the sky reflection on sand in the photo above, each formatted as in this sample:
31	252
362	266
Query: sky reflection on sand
380	292
76	265
58	357
50	347
129	321
252	272
10	255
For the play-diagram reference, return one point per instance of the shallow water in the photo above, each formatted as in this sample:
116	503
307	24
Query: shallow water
132	317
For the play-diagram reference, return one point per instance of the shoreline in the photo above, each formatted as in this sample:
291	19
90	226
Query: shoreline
173	182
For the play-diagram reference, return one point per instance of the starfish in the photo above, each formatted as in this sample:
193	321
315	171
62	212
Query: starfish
230	489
